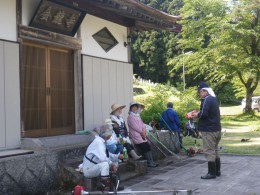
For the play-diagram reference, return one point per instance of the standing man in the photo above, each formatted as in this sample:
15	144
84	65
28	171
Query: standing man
170	121
210	127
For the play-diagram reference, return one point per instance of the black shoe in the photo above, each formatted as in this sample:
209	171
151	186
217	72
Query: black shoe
156	164
211	171
100	186
208	176
152	165
218	165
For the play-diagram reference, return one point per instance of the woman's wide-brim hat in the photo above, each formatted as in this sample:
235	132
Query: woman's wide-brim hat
115	107
139	105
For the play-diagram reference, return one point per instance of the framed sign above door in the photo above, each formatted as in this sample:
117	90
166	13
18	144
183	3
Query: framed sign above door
56	16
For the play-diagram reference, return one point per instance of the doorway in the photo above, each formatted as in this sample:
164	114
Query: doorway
47	91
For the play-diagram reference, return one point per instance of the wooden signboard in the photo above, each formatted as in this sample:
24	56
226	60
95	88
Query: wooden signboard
56	16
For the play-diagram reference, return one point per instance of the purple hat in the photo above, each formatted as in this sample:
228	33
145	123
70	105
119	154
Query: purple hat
202	85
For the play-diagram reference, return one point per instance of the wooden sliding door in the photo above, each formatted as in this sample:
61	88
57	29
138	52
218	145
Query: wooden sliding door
47	91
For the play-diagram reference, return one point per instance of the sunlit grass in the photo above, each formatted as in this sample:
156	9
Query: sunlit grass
236	126
240	134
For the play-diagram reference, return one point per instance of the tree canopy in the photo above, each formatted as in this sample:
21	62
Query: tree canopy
224	40
219	43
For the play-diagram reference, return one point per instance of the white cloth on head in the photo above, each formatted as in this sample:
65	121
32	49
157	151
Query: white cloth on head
210	91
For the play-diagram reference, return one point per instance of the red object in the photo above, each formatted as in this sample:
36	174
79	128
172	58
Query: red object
188	115
78	189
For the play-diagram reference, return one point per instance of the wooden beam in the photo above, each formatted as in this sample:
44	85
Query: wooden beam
18	15
97	10
126	12
34	34
144	25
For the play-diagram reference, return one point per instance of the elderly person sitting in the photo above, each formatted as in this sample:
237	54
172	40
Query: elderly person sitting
121	131
113	145
97	160
137	133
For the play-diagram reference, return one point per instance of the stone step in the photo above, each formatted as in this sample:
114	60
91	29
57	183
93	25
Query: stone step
71	177
56	143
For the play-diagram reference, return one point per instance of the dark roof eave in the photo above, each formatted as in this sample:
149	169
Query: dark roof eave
139	5
129	13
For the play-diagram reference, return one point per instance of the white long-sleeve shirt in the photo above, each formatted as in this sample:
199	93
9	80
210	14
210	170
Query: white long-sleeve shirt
97	150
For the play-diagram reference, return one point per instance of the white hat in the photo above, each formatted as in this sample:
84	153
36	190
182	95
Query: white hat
108	121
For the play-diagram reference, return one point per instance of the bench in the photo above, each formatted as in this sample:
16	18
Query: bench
126	171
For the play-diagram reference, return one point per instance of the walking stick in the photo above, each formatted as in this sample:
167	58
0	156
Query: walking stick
156	146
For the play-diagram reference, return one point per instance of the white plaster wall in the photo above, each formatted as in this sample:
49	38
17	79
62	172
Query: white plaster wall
2	95
8	20
28	9
105	82
10	133
90	26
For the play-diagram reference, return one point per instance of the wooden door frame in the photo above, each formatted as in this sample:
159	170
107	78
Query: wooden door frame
48	102
26	33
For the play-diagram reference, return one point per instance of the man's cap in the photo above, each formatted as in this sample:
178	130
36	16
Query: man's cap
202	85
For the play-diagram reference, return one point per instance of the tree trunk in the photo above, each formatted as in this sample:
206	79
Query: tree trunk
250	86
249	94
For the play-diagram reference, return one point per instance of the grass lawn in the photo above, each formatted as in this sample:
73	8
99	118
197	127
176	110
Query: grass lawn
240	133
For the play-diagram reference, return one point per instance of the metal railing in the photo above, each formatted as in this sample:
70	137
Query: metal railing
174	192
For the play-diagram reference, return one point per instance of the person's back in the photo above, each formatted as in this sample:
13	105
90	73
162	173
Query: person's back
170	119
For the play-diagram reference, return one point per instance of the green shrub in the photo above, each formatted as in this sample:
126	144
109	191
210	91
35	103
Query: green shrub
188	101
154	104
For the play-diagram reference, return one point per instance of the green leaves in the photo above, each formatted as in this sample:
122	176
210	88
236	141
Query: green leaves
225	41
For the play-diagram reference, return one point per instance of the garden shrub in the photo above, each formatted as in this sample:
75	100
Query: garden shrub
154	105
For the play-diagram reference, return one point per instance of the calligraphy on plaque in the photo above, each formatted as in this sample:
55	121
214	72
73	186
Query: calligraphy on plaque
58	17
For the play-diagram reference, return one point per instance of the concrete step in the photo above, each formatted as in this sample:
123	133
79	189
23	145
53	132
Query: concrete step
56	143
70	177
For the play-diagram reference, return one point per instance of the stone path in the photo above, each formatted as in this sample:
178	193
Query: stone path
240	176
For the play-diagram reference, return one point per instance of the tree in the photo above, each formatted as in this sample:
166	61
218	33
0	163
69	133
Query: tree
150	54
151	50
225	41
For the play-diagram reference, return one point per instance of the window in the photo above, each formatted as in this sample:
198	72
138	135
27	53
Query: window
105	39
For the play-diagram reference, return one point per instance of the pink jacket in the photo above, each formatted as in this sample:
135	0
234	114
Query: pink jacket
135	125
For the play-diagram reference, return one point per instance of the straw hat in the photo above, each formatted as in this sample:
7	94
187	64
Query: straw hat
137	104
115	107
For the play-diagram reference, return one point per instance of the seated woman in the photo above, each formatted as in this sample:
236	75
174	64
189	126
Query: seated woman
121	130
137	133
113	145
